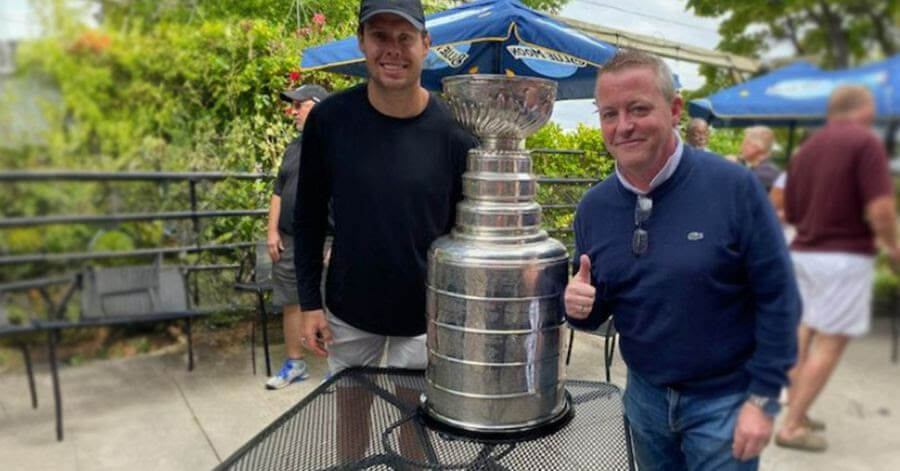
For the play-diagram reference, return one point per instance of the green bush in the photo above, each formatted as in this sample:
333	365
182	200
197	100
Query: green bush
593	164
158	87
726	141
885	289
16	314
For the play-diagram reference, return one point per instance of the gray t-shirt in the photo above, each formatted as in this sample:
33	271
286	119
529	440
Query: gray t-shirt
286	185
767	173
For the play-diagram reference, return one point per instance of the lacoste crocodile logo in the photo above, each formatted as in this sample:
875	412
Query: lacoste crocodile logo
694	236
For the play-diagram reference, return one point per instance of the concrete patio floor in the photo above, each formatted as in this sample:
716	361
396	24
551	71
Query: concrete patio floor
149	413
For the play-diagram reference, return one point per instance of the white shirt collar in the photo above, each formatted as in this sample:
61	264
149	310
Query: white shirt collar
664	173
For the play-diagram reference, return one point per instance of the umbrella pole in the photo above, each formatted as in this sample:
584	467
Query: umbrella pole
889	135
790	145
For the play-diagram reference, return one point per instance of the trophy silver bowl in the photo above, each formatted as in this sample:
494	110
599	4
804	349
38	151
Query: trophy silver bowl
500	107
495	338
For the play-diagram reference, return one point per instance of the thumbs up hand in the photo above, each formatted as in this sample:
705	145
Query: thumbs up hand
580	292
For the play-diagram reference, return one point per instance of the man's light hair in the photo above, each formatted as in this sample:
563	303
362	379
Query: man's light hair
696	123
847	99
763	136
629	58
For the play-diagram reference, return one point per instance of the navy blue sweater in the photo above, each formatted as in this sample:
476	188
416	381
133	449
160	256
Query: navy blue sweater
712	306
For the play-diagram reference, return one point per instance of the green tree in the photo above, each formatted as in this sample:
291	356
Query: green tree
833	33
286	12
289	13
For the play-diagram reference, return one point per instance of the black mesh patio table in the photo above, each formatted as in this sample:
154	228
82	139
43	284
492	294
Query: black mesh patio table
381	428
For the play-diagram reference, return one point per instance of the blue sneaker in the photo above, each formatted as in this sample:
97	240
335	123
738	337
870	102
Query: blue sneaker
291	370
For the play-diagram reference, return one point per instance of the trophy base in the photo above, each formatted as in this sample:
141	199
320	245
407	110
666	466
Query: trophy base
456	430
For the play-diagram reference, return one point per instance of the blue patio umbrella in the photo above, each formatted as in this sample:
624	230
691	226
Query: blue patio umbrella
489	36
798	95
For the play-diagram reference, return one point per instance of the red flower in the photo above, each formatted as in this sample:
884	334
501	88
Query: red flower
319	19
295	75
90	41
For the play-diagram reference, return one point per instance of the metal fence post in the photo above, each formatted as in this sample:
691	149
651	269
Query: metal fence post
197	240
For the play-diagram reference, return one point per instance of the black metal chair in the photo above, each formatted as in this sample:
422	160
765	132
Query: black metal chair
32	324
10	327
895	335
55	310
255	276
122	295
140	293
607	330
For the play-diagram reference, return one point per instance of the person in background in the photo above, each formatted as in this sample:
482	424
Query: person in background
840	198
705	302
776	197
280	239
698	134
756	153
776	194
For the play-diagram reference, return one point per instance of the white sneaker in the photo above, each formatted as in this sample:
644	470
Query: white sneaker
291	370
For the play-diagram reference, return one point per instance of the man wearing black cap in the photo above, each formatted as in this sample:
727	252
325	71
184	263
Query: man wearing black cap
280	239
391	157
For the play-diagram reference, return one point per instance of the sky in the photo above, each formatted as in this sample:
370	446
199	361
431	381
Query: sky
15	21
665	19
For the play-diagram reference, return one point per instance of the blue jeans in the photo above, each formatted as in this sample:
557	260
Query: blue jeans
674	431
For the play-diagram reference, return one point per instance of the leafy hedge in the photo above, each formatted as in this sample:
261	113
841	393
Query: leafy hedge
174	96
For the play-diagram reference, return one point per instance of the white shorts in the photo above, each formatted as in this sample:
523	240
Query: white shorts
836	289
355	347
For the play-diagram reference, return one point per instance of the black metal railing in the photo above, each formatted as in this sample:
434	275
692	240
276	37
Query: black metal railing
566	203
85	175
16	222
194	214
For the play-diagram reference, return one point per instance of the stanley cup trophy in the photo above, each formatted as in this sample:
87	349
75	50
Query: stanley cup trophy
494	283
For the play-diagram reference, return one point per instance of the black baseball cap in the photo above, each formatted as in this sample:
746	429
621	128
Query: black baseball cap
410	10
302	93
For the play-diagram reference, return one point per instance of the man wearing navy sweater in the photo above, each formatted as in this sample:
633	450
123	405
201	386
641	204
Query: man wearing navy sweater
684	249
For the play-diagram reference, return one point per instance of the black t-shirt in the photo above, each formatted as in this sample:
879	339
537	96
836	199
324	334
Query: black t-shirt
286	185
394	185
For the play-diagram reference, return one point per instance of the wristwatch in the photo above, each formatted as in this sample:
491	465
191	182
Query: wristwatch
769	405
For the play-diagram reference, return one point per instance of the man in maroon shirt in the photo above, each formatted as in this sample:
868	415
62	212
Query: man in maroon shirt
839	196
